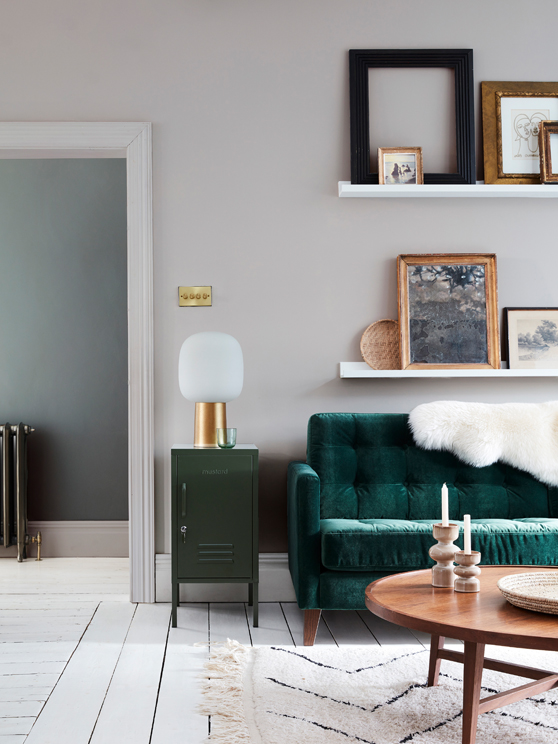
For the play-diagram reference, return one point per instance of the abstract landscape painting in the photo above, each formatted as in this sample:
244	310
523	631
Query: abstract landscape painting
447	314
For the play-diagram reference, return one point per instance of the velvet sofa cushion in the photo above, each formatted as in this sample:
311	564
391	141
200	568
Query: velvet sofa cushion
393	545
369	468
345	590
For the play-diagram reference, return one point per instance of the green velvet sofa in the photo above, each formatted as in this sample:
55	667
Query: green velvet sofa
364	503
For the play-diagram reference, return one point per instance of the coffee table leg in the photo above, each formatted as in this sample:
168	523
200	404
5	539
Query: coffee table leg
472	677
436	644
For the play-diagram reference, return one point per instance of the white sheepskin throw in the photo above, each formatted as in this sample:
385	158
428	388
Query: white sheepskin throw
524	435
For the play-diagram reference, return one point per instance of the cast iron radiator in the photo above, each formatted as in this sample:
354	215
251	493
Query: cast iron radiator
13	491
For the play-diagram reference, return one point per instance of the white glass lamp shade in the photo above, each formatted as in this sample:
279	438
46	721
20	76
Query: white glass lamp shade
211	368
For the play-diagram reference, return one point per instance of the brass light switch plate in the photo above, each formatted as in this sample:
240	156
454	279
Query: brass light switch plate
194	296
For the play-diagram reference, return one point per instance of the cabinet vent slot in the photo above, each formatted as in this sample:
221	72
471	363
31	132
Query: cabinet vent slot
215	553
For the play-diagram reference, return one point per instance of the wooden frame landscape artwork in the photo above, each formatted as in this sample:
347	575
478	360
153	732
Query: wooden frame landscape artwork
448	311
511	117
532	337
400	165
548	146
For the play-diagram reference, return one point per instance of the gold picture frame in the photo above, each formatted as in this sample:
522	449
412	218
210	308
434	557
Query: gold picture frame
547	173
511	117
448	311
406	160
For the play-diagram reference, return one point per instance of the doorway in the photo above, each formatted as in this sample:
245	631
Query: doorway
133	140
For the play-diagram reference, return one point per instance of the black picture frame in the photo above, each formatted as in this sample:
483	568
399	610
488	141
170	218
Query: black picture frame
460	60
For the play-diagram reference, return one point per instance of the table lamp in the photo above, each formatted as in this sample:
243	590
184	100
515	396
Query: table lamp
210	373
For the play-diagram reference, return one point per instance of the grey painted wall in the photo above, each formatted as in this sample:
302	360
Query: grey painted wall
250	105
63	335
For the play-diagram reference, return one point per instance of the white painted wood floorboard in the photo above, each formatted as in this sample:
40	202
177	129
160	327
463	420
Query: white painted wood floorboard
13	682
42	619
177	720
70	713
20	726
228	620
272	627
387	634
347	628
27	613
10	694
129	707
45	619
45	651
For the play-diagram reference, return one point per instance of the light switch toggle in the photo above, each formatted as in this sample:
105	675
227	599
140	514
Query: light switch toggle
194	296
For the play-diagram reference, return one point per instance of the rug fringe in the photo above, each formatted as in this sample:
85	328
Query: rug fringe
223	693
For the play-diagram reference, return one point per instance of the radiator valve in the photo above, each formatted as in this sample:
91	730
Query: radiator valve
38	539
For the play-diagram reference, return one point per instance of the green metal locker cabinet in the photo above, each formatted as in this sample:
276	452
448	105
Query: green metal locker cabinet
215	518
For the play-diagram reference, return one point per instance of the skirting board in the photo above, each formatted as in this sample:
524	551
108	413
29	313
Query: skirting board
275	583
77	539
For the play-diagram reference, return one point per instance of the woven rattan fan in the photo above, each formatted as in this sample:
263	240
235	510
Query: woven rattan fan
379	345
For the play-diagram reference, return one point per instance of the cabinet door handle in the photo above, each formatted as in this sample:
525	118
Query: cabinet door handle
184	499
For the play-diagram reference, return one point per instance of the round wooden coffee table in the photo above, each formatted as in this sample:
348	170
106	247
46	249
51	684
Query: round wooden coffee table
409	599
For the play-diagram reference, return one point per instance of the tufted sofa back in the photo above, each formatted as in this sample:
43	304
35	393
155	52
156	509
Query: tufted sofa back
370	468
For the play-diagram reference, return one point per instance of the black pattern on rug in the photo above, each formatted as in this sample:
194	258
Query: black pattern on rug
321	725
348	671
346	702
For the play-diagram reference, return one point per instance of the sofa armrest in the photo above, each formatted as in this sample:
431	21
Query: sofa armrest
303	509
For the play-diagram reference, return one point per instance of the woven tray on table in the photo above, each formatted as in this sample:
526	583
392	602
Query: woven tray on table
536	591
379	345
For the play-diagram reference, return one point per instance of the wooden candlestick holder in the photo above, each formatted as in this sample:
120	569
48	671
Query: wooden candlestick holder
467	571
443	553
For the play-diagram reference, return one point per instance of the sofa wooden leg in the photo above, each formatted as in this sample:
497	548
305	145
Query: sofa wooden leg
311	620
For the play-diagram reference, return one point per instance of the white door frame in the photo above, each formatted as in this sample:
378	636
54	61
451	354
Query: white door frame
135	139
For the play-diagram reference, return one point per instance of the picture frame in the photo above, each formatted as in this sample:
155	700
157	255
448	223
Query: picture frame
459	60
531	337
548	145
400	165
448	311
511	117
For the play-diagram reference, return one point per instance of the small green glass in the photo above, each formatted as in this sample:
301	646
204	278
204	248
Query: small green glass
226	438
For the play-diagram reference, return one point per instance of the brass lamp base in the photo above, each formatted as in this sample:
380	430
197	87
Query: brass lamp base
208	418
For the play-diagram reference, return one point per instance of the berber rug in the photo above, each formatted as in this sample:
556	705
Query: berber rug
372	695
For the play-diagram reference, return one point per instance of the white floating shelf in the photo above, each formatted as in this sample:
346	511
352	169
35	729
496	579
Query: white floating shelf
363	371
480	189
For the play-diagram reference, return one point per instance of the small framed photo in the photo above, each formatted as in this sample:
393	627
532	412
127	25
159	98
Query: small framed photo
448	311
400	165
548	149
511	118
532	337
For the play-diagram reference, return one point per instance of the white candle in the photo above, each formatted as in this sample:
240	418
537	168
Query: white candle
445	509
467	534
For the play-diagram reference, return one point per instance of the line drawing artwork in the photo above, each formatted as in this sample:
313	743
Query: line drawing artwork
525	130
537	339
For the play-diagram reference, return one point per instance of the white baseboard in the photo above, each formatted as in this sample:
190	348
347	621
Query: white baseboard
275	583
72	539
